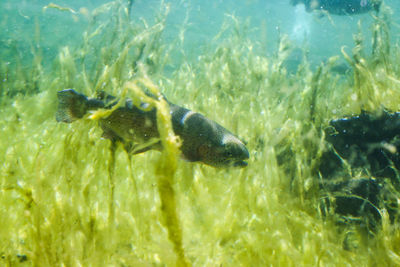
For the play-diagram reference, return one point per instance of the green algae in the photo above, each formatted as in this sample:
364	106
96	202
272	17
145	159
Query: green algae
69	197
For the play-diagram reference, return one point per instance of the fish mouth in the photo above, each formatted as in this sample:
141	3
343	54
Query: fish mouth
240	164
241	159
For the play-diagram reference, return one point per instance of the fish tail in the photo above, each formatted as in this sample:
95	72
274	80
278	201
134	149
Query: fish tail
71	105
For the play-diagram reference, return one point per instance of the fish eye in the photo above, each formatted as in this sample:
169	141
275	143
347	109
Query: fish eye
228	154
227	151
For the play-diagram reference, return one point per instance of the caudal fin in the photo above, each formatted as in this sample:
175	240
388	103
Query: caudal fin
71	105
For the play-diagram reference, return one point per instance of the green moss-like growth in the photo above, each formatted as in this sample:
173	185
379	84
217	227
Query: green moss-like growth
69	197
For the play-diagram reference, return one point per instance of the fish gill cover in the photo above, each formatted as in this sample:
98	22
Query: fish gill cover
70	197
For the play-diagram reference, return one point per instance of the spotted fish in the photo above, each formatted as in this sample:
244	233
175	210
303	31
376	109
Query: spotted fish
203	140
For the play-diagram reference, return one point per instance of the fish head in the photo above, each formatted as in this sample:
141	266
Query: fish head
229	152
204	140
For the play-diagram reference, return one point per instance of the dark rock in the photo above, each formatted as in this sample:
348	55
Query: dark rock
367	144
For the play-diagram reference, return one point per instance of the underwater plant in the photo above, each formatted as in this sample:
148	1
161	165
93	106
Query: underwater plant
70	197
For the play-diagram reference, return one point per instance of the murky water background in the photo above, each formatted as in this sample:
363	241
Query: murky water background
201	20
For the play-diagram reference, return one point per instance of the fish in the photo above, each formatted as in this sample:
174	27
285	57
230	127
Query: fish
203	140
340	7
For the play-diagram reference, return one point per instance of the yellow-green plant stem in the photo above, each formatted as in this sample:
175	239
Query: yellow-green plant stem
166	166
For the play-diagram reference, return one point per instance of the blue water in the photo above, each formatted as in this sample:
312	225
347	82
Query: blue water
268	19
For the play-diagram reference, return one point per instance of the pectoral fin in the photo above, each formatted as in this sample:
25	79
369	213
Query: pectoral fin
153	143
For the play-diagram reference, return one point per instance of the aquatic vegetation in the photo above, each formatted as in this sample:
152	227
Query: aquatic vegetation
69	197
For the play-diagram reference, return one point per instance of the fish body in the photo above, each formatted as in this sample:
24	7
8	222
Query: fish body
340	7
203	140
